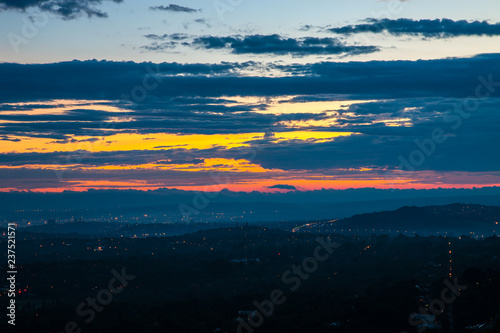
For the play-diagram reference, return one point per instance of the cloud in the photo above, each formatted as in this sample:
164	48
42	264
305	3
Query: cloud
175	37
276	44
175	8
203	22
188	101
166	41
257	44
97	80
6	138
181	161
283	187
68	140
471	148
67	9
438	28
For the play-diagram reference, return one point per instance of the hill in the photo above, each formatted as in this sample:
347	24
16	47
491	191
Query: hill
455	218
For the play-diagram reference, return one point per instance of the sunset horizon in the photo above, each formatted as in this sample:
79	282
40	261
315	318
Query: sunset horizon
237	166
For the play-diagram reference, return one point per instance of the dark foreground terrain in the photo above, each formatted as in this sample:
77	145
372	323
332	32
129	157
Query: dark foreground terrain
256	279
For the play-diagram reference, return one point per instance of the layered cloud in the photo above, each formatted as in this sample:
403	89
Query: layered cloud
114	125
96	80
175	8
283	187
259	44
438	28
67	9
276	44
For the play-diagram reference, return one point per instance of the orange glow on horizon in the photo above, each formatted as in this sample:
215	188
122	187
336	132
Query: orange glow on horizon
260	186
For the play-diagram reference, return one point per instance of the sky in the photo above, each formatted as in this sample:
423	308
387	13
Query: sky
266	96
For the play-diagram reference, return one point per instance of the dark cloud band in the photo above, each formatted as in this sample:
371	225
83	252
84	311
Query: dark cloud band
67	9
438	28
174	8
276	44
